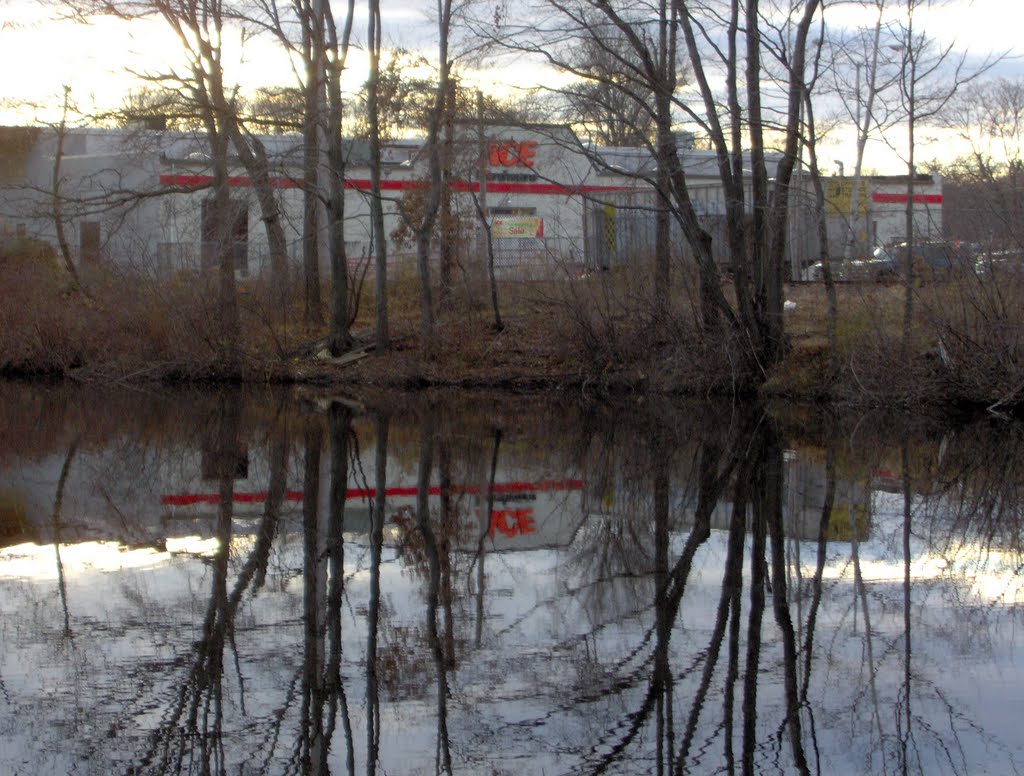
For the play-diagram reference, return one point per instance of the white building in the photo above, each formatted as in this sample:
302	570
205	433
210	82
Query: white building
138	197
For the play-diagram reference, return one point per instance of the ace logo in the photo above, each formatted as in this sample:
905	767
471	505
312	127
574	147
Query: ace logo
512	522
509	153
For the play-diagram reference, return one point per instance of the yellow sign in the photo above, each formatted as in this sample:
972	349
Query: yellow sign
838	193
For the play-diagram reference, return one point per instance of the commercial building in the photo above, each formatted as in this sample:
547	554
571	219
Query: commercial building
140	197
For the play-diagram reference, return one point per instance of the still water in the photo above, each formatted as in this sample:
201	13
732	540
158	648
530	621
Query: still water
250	583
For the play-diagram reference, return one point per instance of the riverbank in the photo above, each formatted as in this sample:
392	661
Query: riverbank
593	335
963	353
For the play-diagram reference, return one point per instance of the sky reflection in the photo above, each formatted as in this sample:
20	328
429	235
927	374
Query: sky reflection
540	590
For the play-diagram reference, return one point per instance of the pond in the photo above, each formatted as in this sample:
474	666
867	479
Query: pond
280	583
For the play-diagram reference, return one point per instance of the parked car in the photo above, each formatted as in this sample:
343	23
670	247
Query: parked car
934	256
887	261
990	262
878	267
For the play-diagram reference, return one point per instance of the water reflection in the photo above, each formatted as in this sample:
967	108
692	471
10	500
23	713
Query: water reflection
230	583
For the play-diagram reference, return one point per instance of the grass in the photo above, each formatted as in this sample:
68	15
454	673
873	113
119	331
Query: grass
596	333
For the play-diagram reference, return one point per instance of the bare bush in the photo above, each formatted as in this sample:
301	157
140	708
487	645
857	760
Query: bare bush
121	325
977	323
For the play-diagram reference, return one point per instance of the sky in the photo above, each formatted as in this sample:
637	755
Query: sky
45	54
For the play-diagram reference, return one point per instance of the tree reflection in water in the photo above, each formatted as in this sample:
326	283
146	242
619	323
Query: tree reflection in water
323	692
548	590
376	542
190	737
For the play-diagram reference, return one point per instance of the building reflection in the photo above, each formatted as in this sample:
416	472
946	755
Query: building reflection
380	587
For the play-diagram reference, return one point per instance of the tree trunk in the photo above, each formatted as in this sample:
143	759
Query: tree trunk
758	330
832	305
908	259
339	338
311	174
253	156
227	293
775	339
376	204
449	230
425	229
662	244
57	202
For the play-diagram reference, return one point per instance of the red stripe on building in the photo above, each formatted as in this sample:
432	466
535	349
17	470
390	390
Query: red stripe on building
258	497
885	198
494	187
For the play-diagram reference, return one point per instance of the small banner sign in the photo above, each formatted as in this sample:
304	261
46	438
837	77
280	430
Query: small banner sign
517	226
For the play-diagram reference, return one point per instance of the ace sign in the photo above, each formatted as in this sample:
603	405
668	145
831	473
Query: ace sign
512	153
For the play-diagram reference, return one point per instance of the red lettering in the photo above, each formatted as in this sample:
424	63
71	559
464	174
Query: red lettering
524	521
509	153
526	153
500	522
512	522
498	155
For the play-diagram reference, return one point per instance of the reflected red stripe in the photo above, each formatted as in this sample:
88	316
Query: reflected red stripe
258	497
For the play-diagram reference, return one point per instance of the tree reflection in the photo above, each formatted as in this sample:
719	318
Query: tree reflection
751	466
817	588
377	517
771	513
487	519
729	601
715	469
323	693
57	520
904	724
658	618
432	552
191	736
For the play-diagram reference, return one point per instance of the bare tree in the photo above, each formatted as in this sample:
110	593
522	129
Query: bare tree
274	109
869	53
424	229
158	105
789	46
207	99
199	27
811	147
56	197
312	50
984	189
321	49
611	102
373	36
339	338
167	103
724	43
929	77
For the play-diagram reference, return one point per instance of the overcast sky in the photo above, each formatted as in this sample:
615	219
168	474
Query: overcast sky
38	55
